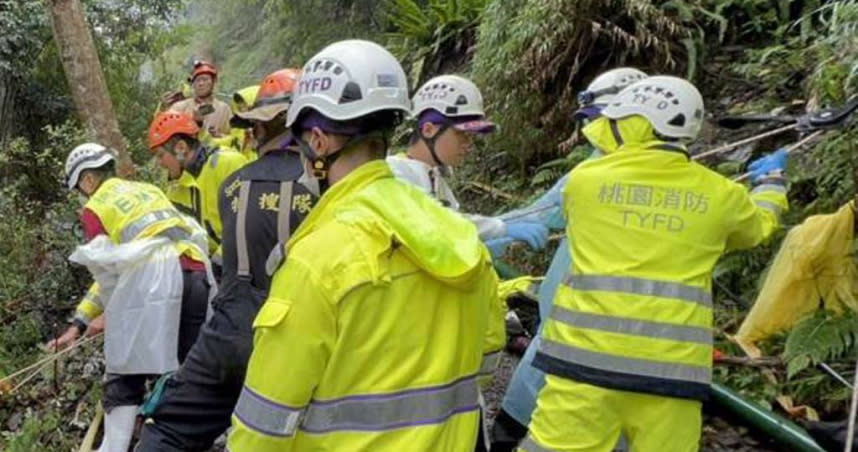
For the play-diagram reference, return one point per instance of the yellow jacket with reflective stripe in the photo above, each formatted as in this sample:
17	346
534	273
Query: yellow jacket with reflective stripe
235	140
198	196
635	311
374	330
129	211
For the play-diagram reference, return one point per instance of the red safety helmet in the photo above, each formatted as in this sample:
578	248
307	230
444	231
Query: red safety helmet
168	124
202	67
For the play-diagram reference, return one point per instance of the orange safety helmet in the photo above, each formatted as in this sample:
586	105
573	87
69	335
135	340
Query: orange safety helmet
274	95
202	67
168	124
278	84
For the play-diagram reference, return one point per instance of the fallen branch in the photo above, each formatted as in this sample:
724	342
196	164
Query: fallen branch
493	191
768	361
89	439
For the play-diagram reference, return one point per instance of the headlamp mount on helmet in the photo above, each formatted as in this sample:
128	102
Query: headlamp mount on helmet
587	97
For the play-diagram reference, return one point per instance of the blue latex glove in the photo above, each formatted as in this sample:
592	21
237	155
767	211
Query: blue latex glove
761	167
534	234
497	247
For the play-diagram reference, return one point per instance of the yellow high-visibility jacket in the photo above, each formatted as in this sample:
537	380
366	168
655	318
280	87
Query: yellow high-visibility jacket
375	327
635	311
129	211
197	196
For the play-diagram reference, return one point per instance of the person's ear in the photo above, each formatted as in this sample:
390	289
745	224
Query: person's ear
320	141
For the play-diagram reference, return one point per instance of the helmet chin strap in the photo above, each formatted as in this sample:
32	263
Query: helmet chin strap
321	164
430	143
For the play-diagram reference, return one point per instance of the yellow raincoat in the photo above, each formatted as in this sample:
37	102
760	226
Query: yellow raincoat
628	344
374	330
815	262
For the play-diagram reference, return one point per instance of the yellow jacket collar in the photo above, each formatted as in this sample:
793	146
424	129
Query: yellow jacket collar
633	133
353	182
436	239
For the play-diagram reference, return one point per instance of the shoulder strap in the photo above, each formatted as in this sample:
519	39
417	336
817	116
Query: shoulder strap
243	269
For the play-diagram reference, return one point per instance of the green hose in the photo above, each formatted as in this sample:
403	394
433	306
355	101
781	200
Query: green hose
775	426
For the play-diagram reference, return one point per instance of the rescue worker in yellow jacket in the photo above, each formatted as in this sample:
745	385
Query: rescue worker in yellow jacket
240	137
148	330
628	344
374	330
196	172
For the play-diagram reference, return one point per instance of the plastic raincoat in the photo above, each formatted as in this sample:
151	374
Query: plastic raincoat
816	262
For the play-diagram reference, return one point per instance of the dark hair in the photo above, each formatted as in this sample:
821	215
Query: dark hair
380	121
192	141
103	172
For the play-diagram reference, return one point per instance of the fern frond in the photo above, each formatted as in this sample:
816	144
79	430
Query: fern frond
821	337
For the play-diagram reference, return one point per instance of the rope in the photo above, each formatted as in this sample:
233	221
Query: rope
42	363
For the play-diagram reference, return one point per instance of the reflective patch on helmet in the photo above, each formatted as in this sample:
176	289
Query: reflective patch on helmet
314	84
387	81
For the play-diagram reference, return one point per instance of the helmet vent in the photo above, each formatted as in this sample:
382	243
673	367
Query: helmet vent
678	120
351	93
461	100
451	110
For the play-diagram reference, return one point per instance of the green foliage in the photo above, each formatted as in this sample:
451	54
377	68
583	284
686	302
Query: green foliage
432	37
836	51
42	430
821	337
36	172
535	55
39	232
758	19
549	172
248	39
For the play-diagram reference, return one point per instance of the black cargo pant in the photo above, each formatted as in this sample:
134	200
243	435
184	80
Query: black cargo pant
506	433
197	402
121	389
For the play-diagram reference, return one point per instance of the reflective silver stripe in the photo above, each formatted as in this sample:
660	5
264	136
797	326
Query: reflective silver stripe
770	206
243	268
777	188
275	258
529	445
490	363
132	230
266	416
640	286
632	366
82	317
634	327
284	214
196	204
425	406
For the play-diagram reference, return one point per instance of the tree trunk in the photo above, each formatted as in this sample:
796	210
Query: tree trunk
7	98
86	79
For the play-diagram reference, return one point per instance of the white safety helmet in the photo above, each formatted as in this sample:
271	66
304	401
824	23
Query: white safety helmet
608	84
350	79
672	105
450	95
84	157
